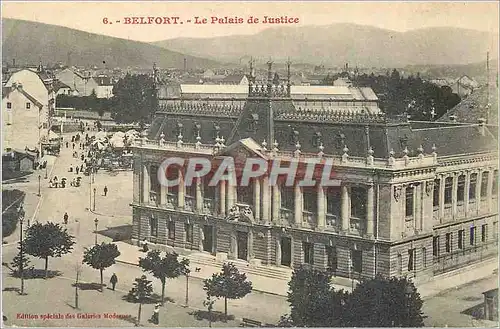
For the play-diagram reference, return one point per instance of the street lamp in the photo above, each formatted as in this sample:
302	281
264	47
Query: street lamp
21	251
408	294
96	221
39	184
94	199
187	285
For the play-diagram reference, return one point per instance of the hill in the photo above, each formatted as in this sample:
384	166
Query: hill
29	42
337	44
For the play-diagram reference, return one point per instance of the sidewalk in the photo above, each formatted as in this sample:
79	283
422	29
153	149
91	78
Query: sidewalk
130	255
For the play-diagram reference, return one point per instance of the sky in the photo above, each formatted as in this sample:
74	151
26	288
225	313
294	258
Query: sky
398	16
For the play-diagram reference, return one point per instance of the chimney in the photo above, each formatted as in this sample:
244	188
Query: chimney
453	118
482	122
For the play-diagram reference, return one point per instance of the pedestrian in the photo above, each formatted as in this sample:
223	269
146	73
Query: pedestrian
66	218
156	314
77	169
67	144
81	168
113	281
73	146
105	190
82	157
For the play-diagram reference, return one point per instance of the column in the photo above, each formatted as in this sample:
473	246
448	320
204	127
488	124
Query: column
489	189
454	196
298	205
276	204
344	210
278	250
442	183
232	245
181	190
201	237
251	254
478	190
163	194
230	195
265	199
370	209
466	193
321	207
199	196
222	198
146	183
256	199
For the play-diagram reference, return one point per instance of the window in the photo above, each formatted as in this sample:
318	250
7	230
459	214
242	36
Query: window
435	246
153	179
208	191
287	197
494	190
357	260
173	174
331	253
171	230
28	106
409	201
472	236
448	242
9	105
484	184
333	201
484	232
400	265
448	188
411	259
245	193
424	257
308	253
153	226
191	189
472	186
188	229
310	199
461	234
358	202
461	188
436	192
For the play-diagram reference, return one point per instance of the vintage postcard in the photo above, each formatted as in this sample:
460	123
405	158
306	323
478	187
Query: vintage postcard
255	164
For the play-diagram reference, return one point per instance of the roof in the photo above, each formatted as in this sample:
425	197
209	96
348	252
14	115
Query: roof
22	91
59	85
103	80
234	78
214	89
320	90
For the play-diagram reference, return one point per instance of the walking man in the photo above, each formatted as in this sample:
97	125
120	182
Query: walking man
156	314
66	218
113	281
105	190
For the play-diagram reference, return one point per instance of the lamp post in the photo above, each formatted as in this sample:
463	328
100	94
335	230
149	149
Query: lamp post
187	286
39	184
408	293
96	222
94	199
21	251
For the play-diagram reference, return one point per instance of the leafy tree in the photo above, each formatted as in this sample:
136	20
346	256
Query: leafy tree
313	302
163	268
134	99
385	302
228	284
18	260
48	240
140	292
101	256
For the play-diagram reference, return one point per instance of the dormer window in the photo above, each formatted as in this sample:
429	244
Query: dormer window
28	106
294	138
216	130
197	129
317	139
9	105
180	127
253	122
340	140
403	141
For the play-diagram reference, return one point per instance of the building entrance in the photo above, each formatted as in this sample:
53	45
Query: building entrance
208	242
286	251
242	240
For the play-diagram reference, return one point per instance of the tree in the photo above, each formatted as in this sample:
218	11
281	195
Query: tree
134	99
18	259
385	302
140	292
313	302
228	284
168	267
101	256
48	240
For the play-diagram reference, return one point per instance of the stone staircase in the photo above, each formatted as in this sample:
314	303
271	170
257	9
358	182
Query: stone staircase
272	272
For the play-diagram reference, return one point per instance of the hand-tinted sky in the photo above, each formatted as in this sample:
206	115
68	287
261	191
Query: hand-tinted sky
397	16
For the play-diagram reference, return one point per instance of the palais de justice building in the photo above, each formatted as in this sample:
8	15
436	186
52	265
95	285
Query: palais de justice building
415	198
